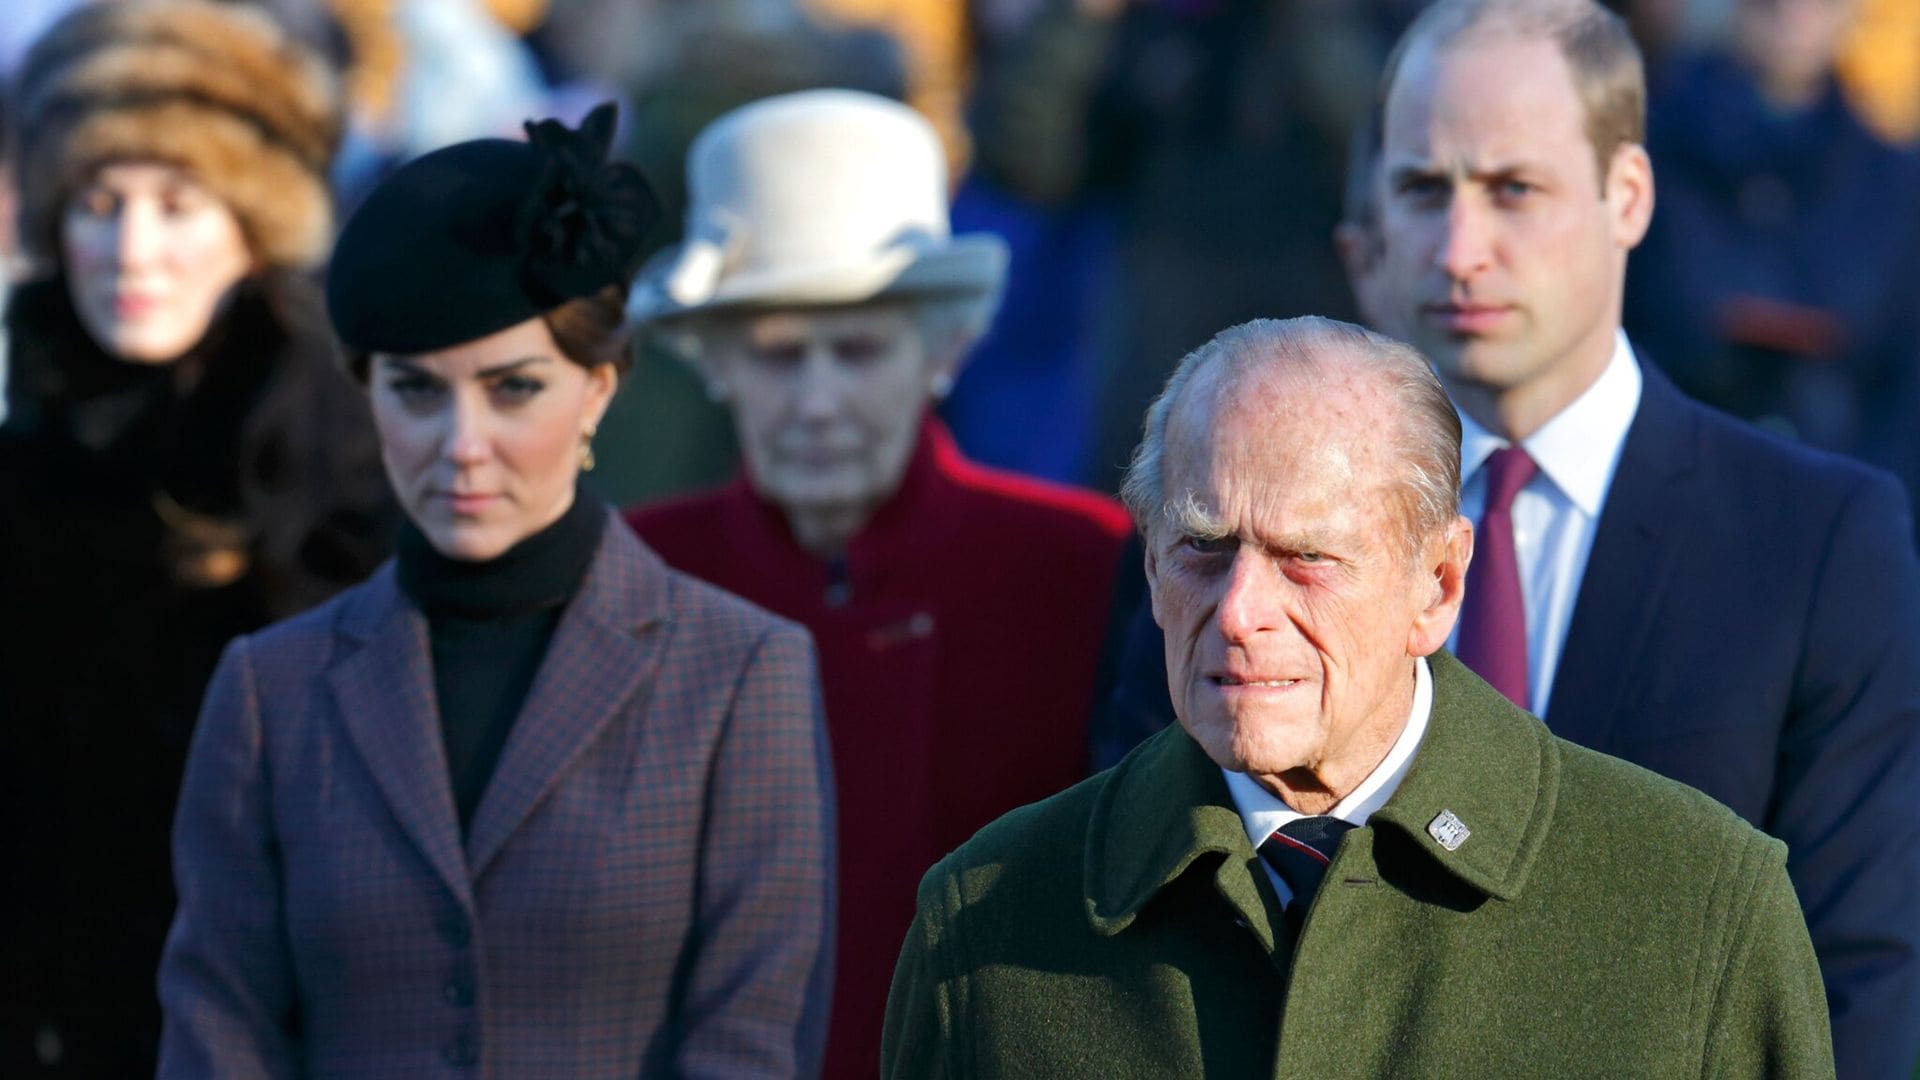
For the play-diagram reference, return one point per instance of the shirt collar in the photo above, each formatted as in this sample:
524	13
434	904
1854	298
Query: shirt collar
1263	812
1576	449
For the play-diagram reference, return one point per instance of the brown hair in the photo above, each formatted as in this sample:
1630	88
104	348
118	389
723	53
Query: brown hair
1608	75
593	329
590	331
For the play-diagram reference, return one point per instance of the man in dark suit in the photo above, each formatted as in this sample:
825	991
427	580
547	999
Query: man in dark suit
1661	583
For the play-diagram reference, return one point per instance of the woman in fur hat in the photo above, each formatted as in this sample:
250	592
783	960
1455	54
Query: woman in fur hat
959	610
182	461
526	802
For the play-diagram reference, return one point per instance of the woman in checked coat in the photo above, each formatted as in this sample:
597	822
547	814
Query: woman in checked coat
527	802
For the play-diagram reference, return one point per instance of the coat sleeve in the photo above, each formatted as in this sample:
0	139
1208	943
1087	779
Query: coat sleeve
226	980
1768	1017
915	1043
762	956
1849	781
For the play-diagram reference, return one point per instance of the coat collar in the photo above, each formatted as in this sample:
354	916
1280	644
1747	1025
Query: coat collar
383	687
1166	808
607	644
1493	767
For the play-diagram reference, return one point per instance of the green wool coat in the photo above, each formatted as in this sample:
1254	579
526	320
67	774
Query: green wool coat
1597	921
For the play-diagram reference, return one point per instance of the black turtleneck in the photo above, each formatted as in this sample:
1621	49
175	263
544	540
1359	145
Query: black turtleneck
489	626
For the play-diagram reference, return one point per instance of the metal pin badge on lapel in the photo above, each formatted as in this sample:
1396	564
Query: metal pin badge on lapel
1449	830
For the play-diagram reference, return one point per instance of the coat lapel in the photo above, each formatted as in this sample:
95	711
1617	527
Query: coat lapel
384	690
1164	808
608	643
1635	550
1486	779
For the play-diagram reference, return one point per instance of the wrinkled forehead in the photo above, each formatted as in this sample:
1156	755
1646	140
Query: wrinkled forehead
1292	427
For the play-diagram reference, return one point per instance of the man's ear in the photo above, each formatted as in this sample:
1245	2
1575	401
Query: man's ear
1443	572
1359	251
1629	194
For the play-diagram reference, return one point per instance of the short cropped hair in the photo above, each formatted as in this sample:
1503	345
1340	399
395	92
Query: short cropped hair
1608	74
1427	435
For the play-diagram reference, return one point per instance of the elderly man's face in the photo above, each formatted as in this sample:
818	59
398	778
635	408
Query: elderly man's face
1292	623
1504	252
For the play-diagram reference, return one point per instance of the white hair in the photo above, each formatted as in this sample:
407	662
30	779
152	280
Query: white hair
1427	435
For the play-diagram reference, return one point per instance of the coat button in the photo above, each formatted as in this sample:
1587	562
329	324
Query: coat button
459	993
460	1051
454	931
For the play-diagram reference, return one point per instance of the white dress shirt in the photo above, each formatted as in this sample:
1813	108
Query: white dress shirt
1263	812
1555	514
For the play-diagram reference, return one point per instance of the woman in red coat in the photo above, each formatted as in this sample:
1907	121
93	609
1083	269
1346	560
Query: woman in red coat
958	610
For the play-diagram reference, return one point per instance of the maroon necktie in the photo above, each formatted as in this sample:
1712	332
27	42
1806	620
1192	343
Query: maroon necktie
1493	618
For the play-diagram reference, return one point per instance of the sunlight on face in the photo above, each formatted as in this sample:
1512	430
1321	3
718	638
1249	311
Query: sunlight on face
150	257
1501	258
482	441
1290	610
827	401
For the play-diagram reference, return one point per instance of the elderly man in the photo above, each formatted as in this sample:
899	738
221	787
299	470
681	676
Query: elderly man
1347	859
1654	580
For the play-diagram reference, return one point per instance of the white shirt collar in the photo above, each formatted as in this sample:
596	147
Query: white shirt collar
1576	449
1263	812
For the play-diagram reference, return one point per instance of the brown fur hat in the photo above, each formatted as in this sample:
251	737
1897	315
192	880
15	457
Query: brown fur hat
215	88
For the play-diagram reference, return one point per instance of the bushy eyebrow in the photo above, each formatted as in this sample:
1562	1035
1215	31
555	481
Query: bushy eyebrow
1189	517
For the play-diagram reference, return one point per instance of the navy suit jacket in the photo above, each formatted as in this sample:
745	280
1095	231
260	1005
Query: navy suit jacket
646	888
1749	624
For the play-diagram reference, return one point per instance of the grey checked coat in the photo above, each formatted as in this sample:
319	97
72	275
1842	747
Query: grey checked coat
645	889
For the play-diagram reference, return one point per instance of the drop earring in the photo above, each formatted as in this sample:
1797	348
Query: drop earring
586	448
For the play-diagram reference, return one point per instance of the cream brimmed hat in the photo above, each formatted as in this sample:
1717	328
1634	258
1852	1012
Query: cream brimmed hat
819	197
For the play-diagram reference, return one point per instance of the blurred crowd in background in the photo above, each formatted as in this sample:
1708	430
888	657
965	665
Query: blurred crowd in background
1163	168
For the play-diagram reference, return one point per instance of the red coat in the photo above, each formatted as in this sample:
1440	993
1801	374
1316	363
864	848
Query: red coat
957	651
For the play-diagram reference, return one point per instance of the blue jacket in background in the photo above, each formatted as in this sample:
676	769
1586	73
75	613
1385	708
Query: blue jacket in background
1780	279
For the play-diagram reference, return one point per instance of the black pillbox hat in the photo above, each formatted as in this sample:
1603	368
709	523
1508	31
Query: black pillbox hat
476	237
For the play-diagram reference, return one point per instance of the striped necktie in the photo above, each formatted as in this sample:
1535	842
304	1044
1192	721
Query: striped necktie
1299	852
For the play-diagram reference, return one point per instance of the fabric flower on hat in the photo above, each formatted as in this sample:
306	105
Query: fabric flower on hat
582	211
